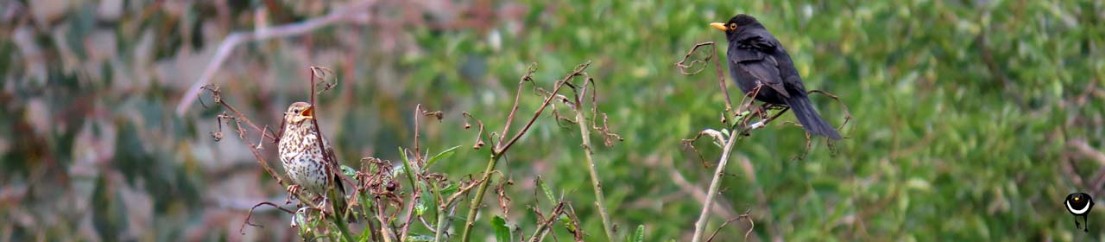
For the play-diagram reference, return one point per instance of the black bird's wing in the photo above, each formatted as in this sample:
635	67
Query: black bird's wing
754	55
759	56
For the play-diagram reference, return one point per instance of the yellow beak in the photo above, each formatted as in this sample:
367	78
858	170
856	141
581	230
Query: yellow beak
719	26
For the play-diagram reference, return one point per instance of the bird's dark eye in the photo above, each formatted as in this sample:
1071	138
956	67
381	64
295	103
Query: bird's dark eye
732	26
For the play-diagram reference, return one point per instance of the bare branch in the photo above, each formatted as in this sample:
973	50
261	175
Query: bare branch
356	12
546	222
479	136
500	148
528	77
502	145
683	66
250	216
1084	149
746	215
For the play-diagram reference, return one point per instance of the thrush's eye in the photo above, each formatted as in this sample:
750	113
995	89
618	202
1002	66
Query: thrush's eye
732	26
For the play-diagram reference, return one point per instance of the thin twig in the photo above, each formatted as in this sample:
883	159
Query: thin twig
417	150
479	135
517	96
416	171
543	225
700	225
250	215
698	194
1084	149
356	12
579	69
502	146
450	205
330	158
843	107
684	66
239	118
596	183
742	216
734	135
416	193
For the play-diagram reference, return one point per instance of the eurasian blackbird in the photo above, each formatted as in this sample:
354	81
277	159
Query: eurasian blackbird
757	58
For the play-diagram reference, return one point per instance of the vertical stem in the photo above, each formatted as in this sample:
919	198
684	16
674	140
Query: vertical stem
442	219
700	226
475	206
343	227
384	231
416	191
600	200
367	210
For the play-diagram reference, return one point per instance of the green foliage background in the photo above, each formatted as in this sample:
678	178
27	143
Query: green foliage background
966	115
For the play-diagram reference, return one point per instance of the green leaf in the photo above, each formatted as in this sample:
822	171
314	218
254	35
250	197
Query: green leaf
406	160
420	206
639	235
411	169
442	155
300	218
420	237
502	232
349	171
548	191
398	171
449	188
367	236
567	222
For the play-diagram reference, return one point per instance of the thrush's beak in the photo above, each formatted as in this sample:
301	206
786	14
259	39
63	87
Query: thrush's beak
309	112
719	26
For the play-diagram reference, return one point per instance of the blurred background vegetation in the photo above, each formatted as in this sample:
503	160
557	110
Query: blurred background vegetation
972	120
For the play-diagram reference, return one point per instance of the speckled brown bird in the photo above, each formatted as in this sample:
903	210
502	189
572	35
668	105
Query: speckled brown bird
303	157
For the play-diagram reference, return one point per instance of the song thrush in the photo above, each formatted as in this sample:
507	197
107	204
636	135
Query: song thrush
304	160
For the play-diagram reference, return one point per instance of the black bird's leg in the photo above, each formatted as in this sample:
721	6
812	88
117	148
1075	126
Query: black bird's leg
763	111
753	94
783	110
746	103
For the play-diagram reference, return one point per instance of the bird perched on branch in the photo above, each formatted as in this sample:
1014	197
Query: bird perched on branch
304	160
759	64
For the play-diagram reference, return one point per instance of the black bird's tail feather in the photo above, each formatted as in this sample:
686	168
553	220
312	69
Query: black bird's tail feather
809	118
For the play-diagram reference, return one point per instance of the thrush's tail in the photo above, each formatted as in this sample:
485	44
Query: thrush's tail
809	118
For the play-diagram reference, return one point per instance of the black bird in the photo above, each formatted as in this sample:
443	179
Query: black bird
757	58
1079	204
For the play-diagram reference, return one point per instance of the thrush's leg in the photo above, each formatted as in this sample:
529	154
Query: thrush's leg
320	203
292	191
